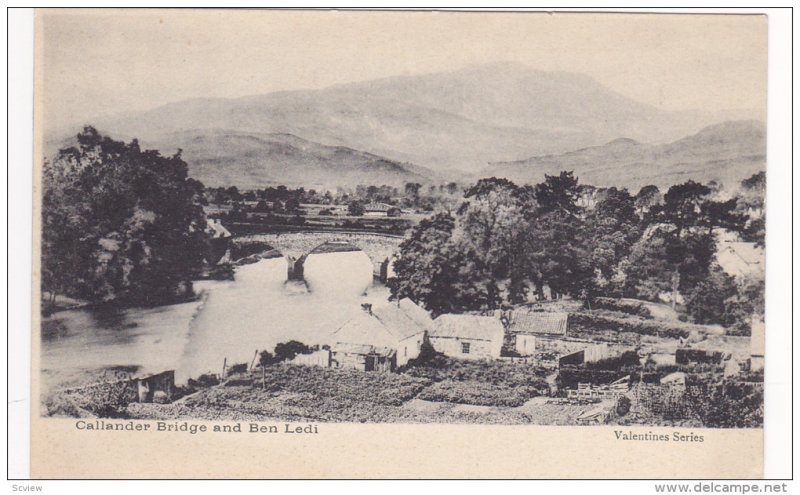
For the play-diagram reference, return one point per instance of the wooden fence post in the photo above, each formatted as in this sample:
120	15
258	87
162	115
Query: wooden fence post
253	363
224	366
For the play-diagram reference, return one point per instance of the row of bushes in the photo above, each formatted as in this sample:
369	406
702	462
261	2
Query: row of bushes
593	322
630	307
478	393
496	373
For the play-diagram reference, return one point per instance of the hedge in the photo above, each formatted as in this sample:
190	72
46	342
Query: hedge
636	308
590	322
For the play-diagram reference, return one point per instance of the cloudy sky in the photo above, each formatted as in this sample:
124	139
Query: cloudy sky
92	63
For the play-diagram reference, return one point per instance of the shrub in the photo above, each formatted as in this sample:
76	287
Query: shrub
730	404
104	400
478	393
636	308
623	406
237	368
286	351
627	358
203	381
265	358
427	356
593	322
495	373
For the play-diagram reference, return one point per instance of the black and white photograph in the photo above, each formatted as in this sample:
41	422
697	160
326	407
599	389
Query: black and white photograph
401	217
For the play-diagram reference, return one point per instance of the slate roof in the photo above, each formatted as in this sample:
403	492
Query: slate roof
468	327
538	323
384	327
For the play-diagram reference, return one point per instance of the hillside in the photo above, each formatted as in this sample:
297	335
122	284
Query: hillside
226	158
726	152
457	120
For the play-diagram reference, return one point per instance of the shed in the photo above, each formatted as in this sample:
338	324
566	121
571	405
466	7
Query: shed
153	386
538	323
468	336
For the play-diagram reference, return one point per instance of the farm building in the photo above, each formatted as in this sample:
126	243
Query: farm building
156	387
468	336
590	354
381	338
538	323
377	209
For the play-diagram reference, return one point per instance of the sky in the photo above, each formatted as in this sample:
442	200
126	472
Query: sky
100	62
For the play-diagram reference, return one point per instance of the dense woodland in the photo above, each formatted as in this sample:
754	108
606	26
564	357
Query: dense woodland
506	243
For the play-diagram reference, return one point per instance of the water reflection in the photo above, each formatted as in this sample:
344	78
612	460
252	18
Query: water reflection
232	320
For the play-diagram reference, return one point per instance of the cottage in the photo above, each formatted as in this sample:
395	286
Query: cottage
468	336
381	338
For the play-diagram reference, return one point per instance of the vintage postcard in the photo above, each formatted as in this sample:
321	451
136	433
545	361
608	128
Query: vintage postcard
351	244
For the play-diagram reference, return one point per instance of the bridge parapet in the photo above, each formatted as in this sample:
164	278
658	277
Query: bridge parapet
297	245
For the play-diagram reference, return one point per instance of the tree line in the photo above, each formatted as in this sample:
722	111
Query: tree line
505	244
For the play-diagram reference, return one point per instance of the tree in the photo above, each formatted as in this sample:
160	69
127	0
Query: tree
355	208
686	221
432	269
412	189
292	205
707	301
119	223
646	198
751	204
647	271
558	193
286	351
612	227
492	227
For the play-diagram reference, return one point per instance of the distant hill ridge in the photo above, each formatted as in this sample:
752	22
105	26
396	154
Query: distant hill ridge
727	152
449	125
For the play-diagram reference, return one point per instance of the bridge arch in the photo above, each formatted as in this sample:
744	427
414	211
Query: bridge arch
297	246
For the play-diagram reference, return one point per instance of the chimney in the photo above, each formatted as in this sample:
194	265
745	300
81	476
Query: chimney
367	308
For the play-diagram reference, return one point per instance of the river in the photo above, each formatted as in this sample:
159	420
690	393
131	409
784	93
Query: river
230	320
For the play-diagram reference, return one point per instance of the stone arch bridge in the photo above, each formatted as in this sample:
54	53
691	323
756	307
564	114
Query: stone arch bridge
296	246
